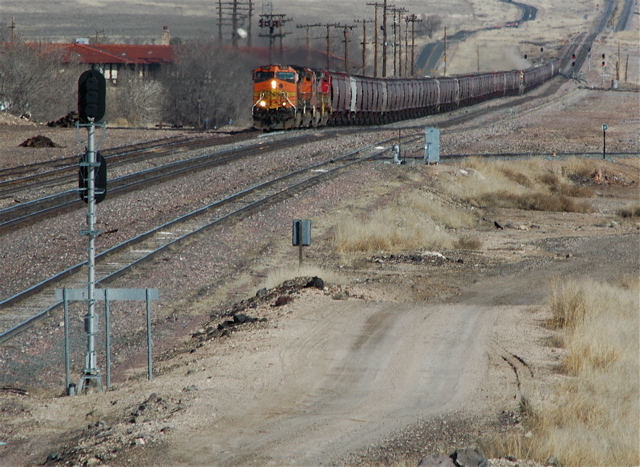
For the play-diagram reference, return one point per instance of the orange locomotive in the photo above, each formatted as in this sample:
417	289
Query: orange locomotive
290	97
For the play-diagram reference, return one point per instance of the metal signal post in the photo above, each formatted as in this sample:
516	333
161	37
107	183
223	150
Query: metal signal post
91	105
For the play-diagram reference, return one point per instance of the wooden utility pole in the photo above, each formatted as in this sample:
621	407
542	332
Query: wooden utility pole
364	43
308	28
376	39
384	39
250	23
346	40
273	21
626	70
13	29
229	14
618	65
445	51
397	44
220	20
413	19
406	46
328	47
346	47
329	26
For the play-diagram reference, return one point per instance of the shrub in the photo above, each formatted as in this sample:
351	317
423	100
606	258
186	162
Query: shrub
467	242
593	417
522	185
630	212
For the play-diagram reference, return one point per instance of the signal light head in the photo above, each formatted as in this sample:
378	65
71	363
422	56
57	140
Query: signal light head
91	96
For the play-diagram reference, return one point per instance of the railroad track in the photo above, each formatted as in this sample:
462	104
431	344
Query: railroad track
62	171
57	203
24	309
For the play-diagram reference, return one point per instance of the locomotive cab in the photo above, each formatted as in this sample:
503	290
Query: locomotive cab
275	97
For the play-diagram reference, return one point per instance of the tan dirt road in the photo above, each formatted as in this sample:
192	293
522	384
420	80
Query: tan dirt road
349	372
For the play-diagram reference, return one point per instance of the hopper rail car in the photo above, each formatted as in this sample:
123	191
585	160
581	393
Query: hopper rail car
289	96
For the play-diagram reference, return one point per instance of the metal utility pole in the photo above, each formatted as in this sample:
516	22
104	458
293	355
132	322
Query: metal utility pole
308	28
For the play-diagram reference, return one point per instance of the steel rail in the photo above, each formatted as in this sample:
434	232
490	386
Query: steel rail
131	154
336	165
69	160
62	202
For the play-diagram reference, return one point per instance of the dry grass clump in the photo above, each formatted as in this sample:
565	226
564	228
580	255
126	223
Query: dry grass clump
416	220
389	230
446	215
630	212
585	168
526	185
533	201
593	418
467	242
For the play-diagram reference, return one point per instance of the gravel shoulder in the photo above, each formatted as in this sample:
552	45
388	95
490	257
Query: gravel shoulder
395	361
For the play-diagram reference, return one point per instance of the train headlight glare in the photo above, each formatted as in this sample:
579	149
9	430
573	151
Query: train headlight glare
263	104
273	84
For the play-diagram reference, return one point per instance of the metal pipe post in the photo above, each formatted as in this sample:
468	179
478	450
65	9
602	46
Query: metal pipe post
149	343
90	371
67	363
107	340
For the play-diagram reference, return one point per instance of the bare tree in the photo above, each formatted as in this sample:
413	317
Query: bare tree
136	100
207	86
36	80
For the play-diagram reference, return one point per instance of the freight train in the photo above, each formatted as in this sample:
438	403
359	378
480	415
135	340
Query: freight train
289	96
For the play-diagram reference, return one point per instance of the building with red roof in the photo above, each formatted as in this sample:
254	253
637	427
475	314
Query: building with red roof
146	60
